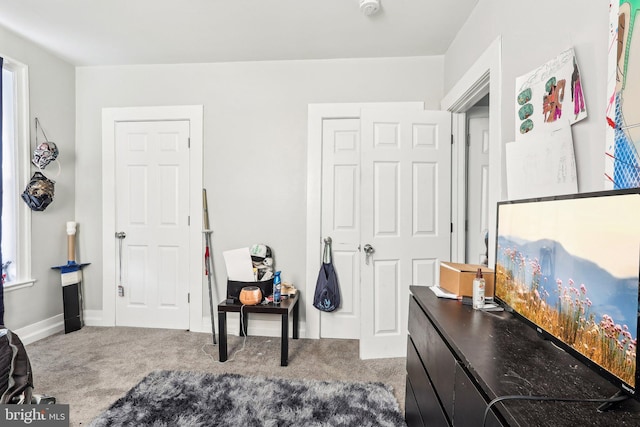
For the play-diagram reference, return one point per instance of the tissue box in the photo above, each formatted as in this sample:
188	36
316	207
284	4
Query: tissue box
458	278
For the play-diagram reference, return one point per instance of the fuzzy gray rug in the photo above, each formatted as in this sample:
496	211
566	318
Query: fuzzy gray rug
189	399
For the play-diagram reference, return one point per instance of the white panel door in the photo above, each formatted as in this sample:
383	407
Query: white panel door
477	190
405	214
341	221
152	208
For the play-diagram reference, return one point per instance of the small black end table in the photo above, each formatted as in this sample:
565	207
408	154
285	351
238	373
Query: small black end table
286	306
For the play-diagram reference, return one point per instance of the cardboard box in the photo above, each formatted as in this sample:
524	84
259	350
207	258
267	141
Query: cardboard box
458	278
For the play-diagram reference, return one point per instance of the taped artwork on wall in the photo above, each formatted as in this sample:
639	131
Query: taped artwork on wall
543	166
622	165
548	93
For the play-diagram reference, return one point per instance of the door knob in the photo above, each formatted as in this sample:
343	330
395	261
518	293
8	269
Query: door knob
368	251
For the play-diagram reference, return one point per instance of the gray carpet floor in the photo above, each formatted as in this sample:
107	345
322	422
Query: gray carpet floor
91	368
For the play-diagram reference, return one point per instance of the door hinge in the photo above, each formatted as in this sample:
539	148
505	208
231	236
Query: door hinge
189	221
452	227
188	142
466	225
451	139
188	298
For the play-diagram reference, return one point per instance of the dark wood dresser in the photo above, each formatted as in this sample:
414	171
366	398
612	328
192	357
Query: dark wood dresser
459	359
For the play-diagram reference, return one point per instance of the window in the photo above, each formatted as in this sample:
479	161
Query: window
16	215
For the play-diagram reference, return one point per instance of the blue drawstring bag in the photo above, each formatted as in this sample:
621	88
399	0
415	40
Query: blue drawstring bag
327	294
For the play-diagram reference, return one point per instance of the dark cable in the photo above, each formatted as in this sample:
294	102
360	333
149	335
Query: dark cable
548	398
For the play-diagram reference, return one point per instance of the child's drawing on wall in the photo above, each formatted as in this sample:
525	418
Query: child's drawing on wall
545	87
576	90
623	110
552	101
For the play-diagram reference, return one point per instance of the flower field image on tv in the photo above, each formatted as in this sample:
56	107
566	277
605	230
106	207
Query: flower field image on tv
572	269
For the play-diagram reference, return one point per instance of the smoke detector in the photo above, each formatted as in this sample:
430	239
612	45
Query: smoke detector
369	7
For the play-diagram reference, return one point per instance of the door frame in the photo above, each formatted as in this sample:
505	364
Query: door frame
484	76
317	113
110	117
475	112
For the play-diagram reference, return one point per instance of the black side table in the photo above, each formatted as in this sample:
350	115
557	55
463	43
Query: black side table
286	306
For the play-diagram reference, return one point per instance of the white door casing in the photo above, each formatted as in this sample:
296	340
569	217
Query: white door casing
477	185
317	115
341	222
193	268
152	209
406	216
484	74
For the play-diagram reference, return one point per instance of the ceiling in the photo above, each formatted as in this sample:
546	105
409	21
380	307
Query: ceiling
118	32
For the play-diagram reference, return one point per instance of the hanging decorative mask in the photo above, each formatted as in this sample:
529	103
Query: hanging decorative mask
45	153
39	192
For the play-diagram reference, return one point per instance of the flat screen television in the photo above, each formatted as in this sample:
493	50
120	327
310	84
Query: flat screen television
570	267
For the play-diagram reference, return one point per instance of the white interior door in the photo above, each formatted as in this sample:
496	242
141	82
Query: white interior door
341	221
405	214
477	186
152	208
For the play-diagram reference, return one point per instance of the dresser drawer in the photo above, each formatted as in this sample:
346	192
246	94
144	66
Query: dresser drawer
411	411
470	404
435	355
429	406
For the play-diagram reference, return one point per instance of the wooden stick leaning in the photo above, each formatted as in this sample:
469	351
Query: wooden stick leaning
207	259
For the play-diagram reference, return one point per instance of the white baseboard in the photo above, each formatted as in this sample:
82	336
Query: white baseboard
258	327
268	327
92	318
53	325
41	329
204	326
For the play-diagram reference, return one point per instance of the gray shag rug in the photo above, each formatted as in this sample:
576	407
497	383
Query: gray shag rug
179	398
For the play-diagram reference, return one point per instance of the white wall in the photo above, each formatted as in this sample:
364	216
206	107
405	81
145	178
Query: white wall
255	129
255	136
533	33
52	100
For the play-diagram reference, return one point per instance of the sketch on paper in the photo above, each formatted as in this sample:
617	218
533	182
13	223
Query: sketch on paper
548	93
622	168
544	166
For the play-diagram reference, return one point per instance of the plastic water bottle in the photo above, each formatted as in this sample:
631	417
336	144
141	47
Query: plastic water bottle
276	288
478	290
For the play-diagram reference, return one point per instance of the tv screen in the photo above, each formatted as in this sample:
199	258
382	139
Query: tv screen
570	266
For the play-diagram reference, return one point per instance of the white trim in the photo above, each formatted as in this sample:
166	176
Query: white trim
21	284
263	325
484	76
470	89
24	156
23	167
42	329
110	116
92	317
458	186
316	114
